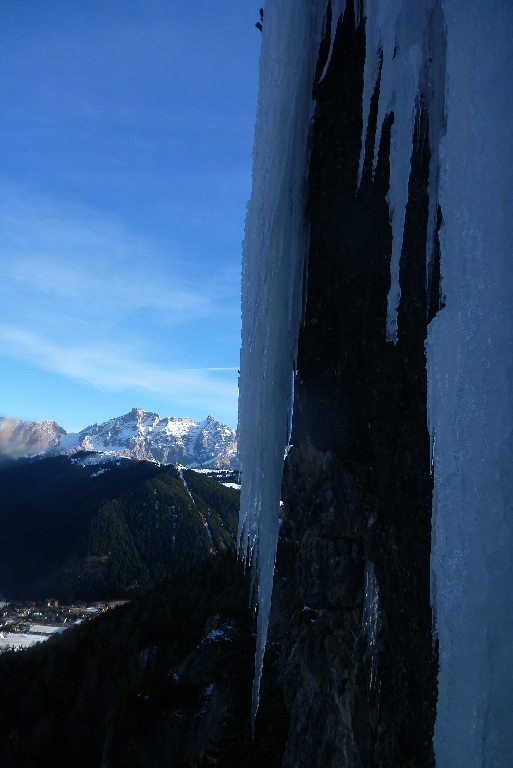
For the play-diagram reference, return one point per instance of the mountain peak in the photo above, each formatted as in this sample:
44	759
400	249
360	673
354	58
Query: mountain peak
28	438
139	434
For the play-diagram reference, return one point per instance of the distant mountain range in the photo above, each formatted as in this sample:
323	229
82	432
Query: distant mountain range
139	434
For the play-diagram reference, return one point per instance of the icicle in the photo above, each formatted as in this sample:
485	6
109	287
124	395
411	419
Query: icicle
408	40
434	90
358	7
470	343
337	10
272	273
371	623
470	352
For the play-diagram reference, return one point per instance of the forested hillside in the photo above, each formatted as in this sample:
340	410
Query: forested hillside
78	530
162	681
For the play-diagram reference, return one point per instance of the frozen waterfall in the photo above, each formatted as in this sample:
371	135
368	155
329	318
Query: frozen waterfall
470	358
272	276
455	60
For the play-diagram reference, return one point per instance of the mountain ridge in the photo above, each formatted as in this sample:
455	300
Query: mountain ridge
138	434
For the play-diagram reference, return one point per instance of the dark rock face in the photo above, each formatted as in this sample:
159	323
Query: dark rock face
328	514
200	714
359	671
198	700
321	663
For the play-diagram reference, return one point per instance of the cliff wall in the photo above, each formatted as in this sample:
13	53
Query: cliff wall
358	666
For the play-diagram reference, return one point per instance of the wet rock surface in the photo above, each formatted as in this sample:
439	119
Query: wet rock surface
323	670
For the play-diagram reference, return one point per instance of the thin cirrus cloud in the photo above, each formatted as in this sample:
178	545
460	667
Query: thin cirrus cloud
86	298
89	264
113	367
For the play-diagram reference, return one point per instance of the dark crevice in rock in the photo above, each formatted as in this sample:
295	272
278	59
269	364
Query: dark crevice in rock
436	299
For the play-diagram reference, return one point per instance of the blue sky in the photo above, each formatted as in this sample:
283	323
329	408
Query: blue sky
126	130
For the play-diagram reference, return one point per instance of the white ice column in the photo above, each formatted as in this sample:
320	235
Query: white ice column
272	276
470	361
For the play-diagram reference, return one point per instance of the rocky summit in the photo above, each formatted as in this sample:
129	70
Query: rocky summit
138	434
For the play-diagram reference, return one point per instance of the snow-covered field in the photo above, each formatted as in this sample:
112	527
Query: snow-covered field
18	640
43	629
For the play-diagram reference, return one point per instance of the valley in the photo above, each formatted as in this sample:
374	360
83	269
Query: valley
162	680
22	625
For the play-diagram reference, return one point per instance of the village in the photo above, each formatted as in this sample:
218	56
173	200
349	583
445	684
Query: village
23	624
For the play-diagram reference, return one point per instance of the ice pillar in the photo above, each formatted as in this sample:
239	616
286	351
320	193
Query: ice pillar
470	358
272	276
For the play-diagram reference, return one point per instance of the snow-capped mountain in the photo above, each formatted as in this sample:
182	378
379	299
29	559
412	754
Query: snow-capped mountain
138	434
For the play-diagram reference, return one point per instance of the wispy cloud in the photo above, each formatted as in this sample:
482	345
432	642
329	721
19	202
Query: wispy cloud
113	367
79	263
82	296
